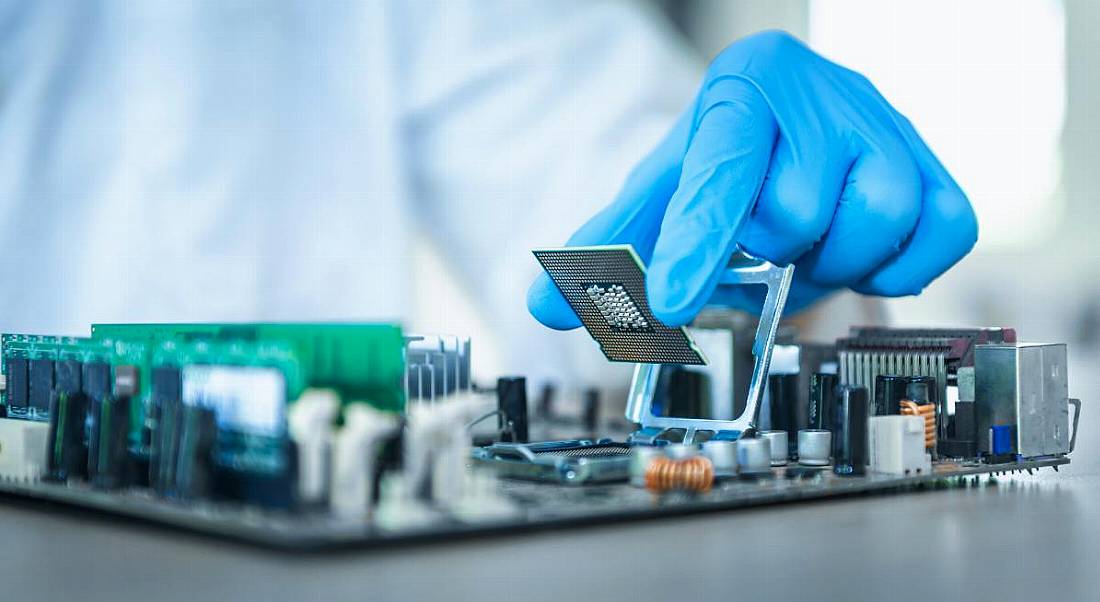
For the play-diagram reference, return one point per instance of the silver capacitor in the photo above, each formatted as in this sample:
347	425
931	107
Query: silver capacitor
681	451
723	456
640	457
814	446
778	442
754	457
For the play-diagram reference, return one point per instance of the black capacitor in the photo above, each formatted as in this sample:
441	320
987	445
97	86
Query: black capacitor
591	411
512	403
18	385
195	458
109	431
889	392
850	433
822	400
545	406
684	394
66	452
920	389
783	397
41	384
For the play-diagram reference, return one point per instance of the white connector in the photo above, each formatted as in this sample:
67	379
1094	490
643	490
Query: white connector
355	452
22	449
310	422
437	445
897	445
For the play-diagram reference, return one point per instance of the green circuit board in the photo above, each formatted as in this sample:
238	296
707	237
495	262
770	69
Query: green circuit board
247	375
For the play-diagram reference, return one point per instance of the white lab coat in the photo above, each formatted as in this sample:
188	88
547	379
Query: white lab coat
224	161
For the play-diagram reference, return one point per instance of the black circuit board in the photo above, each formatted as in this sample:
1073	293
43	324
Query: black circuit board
530	505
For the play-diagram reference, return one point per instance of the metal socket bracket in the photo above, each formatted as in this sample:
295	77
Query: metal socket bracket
742	270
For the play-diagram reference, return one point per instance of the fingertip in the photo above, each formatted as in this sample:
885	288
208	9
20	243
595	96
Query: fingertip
889	285
674	316
672	298
548	306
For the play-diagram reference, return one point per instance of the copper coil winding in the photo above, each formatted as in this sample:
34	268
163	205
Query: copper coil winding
690	474
928	413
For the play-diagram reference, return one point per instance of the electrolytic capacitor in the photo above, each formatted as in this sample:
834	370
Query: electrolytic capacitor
545	407
591	412
814	446
777	442
783	397
512	403
889	391
640	457
850	432
723	455
822	400
681	451
754	457
920	389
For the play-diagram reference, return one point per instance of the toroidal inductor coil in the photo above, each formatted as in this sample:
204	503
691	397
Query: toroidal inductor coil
689	474
926	411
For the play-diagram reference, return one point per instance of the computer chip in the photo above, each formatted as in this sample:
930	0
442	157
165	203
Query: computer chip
605	286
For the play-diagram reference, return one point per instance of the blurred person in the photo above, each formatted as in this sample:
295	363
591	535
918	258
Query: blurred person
220	161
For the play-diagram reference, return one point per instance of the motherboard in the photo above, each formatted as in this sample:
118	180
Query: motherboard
303	435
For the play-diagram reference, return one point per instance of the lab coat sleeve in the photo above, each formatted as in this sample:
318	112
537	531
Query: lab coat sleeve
522	120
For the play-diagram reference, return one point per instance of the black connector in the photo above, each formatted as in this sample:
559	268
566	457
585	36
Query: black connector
108	434
512	404
67	454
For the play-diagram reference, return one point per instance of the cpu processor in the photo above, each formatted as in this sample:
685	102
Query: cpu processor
605	286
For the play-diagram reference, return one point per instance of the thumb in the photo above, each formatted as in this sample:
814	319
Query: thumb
723	170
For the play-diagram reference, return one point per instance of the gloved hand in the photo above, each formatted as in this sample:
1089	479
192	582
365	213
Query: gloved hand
793	159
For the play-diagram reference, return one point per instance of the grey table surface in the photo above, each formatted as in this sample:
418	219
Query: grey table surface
1025	538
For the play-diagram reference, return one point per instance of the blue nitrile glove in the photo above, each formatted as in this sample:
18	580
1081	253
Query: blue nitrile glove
791	158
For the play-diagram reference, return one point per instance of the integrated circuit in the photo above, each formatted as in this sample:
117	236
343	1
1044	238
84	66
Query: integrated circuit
605	286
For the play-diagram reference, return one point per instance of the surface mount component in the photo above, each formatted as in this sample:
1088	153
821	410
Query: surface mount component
605	286
742	270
